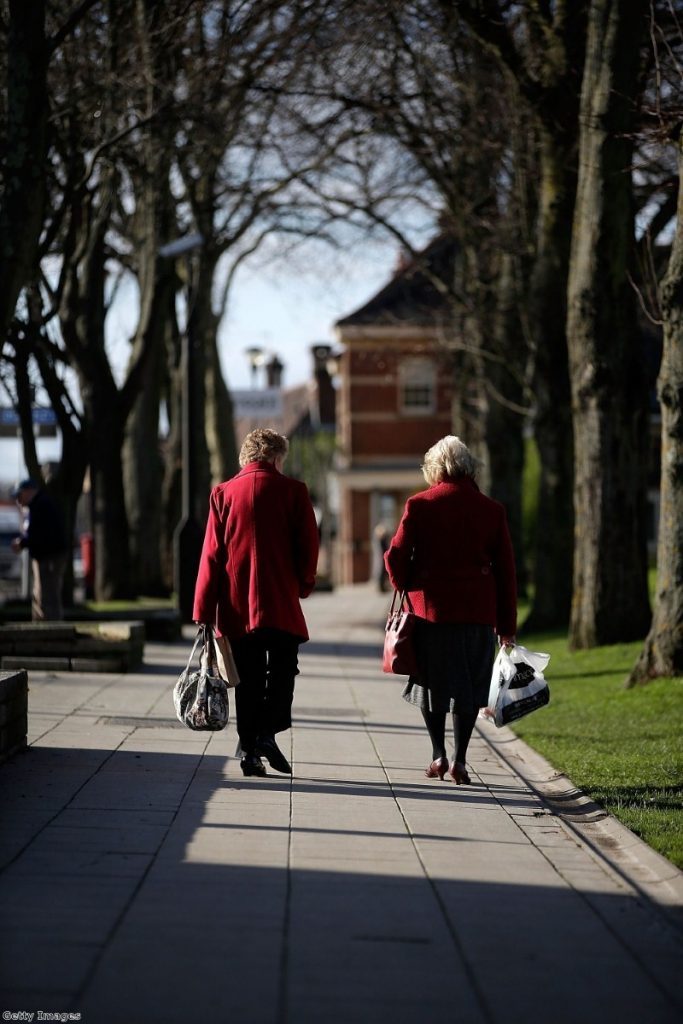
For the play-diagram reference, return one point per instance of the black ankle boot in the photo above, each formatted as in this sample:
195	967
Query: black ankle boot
268	748
251	764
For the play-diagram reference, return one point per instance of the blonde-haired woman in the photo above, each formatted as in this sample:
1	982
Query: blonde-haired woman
259	559
452	553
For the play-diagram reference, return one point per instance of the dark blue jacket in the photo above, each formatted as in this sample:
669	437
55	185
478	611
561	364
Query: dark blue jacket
45	535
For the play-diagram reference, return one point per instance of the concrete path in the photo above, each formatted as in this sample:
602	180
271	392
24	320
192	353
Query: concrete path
145	881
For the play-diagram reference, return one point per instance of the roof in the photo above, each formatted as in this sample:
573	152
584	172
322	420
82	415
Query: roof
296	411
411	296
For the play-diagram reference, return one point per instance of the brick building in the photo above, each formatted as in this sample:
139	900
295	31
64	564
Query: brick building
394	402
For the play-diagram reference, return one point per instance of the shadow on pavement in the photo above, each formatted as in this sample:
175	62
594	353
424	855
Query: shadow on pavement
343	649
150	888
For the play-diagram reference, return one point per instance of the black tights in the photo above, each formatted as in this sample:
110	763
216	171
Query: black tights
463	726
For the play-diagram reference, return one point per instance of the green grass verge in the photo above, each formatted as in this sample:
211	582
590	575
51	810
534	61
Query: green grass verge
138	602
622	747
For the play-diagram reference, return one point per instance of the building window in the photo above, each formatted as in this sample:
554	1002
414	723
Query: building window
417	387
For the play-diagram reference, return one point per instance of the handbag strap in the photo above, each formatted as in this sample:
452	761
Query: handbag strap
208	653
404	599
200	635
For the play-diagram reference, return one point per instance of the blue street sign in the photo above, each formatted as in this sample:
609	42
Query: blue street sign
45	417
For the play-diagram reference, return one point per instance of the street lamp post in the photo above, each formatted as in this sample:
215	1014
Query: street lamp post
188	535
256	358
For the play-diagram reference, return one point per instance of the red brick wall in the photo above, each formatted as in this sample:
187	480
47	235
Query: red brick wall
354	537
396	437
374	425
372	429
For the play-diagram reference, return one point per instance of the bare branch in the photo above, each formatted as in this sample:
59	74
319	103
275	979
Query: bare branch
70	24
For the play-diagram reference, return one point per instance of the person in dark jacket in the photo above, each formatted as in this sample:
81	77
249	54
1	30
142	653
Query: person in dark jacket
259	559
453	554
45	538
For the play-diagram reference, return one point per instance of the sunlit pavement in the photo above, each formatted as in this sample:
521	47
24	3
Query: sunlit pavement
146	881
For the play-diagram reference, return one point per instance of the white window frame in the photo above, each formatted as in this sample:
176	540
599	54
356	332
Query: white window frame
417	375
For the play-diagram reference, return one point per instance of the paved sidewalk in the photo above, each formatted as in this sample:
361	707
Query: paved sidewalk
145	881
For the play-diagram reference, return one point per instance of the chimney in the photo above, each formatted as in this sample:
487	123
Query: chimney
274	370
403	261
326	396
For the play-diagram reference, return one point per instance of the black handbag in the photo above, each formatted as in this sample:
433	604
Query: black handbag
200	697
399	652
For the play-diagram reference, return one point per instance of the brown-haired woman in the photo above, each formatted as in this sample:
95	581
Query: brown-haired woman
259	559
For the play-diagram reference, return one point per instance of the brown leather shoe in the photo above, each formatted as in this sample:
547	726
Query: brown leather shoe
437	769
458	772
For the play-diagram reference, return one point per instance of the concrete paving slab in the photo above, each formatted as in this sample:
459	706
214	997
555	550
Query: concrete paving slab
155	884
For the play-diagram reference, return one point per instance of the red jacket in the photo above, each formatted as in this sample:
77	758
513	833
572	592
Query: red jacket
259	556
452	552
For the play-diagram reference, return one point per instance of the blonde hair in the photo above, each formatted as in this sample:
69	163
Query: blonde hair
263	445
449	457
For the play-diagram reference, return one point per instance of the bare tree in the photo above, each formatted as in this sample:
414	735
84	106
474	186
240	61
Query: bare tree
135	86
662	653
236	166
426	134
541	47
609	399
154	45
23	166
30	45
28	225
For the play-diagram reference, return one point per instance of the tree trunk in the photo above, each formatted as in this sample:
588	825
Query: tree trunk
662	654
469	406
82	316
504	425
200	336
105	423
154	223
552	422
110	524
609	401
142	466
219	425
546	76
215	433
24	153
171	502
68	480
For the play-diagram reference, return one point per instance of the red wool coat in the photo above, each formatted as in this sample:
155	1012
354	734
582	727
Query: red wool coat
259	556
452	552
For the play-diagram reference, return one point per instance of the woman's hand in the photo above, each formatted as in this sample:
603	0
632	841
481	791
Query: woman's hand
507	641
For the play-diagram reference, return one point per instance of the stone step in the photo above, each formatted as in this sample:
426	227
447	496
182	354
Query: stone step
77	646
13	712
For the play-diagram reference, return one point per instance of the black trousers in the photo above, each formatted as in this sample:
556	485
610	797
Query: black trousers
267	662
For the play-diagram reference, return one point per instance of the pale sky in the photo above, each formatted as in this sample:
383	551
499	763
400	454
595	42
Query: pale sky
286	308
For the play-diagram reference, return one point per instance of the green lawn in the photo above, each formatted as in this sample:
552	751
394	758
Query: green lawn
622	747
141	603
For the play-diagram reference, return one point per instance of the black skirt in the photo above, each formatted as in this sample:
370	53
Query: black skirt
455	662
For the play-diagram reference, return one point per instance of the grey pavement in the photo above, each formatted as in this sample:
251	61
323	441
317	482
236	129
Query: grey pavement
145	881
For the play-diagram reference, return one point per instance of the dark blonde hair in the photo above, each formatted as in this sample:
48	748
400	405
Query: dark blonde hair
263	445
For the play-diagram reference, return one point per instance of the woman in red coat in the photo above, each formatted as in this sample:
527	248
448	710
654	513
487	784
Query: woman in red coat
259	559
452	553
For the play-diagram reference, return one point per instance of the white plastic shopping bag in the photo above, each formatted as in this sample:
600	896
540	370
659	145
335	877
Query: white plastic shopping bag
518	686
